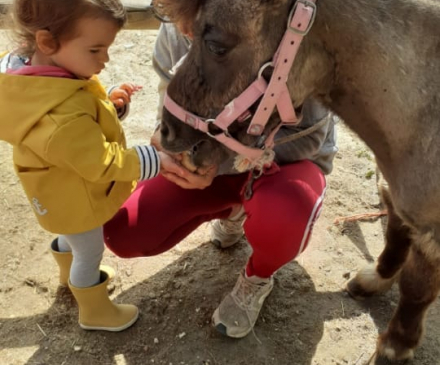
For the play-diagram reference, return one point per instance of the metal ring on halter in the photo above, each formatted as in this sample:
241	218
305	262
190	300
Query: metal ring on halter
254	175
212	121
267	64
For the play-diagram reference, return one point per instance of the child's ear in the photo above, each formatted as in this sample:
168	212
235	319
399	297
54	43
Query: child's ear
46	42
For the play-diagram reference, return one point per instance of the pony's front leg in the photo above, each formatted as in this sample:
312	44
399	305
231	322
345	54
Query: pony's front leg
419	286
377	279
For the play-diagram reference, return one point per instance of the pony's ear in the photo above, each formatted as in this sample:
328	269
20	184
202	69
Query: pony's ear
274	2
177	10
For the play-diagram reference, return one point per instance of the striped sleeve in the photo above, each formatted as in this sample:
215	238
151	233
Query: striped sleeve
4	62
149	162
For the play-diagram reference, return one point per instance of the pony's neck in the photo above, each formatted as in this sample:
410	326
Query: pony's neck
337	64
372	69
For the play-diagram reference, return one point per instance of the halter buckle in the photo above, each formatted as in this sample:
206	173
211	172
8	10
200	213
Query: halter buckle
307	4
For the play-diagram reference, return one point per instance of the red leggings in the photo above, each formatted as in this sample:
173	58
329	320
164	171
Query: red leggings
280	215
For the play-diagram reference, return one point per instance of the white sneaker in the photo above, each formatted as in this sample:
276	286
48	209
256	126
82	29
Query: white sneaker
227	232
237	313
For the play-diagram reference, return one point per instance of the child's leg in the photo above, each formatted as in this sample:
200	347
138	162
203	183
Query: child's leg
62	254
281	215
63	258
63	245
88	285
87	249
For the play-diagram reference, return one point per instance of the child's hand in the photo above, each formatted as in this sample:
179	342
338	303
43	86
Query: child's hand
121	95
155	140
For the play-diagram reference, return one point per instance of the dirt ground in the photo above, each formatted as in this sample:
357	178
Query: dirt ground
308	319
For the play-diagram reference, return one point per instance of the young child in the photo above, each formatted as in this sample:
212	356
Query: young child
69	148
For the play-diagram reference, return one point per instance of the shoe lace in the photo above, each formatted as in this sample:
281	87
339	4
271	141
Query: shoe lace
231	227
244	294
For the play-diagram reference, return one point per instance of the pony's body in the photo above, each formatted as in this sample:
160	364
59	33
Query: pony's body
375	63
386	87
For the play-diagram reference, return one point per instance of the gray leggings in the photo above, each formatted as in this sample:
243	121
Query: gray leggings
87	249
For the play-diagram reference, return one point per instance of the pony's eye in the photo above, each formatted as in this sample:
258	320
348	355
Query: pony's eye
216	48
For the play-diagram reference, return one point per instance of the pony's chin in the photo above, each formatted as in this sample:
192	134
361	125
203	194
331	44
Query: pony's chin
187	162
206	170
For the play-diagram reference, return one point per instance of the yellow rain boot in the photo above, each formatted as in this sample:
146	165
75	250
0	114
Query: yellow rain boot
64	261
98	312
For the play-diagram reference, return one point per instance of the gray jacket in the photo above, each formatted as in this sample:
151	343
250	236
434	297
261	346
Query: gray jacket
318	146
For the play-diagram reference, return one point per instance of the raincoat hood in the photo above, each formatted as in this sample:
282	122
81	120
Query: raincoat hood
24	100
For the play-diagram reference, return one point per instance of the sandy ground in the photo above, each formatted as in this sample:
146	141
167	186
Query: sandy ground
308	319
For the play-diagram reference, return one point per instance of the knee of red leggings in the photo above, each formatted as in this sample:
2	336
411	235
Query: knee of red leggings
118	249
126	244
116	243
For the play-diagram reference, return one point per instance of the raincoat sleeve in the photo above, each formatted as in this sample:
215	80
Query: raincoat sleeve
80	145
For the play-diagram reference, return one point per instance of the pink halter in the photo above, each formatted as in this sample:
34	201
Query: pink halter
275	93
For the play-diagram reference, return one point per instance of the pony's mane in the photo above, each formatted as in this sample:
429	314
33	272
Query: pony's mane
179	10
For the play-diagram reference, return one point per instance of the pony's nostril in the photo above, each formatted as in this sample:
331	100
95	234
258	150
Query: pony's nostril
197	147
167	133
164	130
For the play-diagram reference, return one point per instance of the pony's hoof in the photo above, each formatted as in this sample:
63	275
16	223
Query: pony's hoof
392	350
367	283
356	290
379	360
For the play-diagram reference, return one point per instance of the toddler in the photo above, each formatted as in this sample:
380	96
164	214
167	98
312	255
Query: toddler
69	148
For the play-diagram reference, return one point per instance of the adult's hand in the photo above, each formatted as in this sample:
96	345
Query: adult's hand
182	176
168	164
189	180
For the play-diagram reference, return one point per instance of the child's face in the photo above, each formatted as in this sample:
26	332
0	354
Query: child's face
87	52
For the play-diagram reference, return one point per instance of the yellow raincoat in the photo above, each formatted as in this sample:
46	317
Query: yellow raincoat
69	150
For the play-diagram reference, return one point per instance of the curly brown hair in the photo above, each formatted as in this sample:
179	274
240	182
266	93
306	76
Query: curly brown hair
59	17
